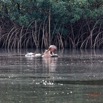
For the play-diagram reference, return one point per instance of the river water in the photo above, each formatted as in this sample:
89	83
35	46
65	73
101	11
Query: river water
72	77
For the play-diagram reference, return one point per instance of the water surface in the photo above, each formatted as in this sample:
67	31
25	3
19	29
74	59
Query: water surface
74	77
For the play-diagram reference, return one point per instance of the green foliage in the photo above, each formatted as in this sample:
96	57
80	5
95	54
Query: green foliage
60	12
63	11
57	15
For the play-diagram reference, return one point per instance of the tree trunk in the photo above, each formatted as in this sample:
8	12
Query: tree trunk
49	19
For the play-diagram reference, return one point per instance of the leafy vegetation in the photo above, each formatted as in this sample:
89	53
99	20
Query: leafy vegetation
39	23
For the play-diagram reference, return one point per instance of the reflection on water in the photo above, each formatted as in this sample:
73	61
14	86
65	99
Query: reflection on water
50	63
73	77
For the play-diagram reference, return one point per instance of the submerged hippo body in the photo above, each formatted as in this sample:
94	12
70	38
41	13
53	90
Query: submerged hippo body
40	55
47	53
33	55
